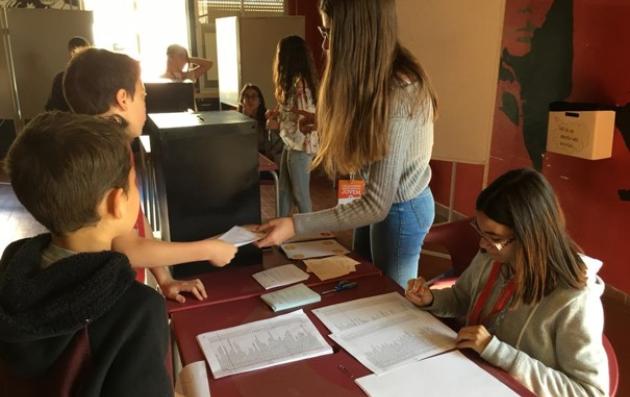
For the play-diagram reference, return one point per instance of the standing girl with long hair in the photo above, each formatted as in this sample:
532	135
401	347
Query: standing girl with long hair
375	120
296	84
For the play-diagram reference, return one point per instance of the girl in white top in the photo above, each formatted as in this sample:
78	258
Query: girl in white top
296	86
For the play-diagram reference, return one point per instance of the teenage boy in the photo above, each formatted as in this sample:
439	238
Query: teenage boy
101	82
65	324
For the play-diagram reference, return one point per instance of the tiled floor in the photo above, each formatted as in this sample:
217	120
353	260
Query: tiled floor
17	223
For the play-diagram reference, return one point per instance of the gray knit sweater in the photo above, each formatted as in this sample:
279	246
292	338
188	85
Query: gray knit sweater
402	175
554	347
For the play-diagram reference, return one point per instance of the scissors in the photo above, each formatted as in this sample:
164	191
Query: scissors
342	285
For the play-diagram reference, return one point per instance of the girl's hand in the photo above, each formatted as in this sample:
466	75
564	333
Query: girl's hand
418	292
474	337
278	231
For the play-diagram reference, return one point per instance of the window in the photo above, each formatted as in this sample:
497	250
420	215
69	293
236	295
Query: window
140	28
205	31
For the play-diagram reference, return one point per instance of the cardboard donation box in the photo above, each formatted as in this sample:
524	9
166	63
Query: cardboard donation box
583	134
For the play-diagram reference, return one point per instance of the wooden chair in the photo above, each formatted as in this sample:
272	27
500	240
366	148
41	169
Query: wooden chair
461	242
613	366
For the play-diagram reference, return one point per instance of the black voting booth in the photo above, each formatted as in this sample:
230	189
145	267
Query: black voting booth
207	178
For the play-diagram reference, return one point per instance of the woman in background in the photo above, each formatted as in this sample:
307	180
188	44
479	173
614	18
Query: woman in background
252	103
296	85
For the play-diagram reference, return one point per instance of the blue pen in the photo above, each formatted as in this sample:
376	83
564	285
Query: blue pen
342	285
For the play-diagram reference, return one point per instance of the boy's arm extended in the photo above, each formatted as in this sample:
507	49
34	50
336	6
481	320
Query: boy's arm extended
156	255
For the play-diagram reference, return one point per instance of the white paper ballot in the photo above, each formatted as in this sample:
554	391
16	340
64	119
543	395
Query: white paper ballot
313	249
261	344
290	297
449	374
193	380
391	342
347	315
280	276
240	236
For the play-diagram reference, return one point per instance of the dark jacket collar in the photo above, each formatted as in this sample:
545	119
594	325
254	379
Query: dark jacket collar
37	304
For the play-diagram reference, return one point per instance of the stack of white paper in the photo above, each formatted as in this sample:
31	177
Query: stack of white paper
386	331
449	374
290	297
240	236
391	342
331	267
261	344
313	249
348	315
280	275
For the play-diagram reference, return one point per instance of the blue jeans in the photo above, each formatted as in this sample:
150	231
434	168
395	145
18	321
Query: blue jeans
295	178
394	244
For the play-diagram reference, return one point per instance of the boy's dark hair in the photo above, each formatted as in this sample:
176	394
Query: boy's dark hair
62	165
94	76
77	42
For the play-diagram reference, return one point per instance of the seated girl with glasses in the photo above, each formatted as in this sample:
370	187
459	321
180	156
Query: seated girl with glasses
532	306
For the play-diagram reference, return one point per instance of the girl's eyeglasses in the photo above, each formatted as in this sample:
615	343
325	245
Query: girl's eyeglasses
498	244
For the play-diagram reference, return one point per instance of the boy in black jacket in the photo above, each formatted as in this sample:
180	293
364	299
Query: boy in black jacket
65	324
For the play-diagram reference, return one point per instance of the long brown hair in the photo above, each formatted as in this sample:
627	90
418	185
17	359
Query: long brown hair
545	256
293	60
365	62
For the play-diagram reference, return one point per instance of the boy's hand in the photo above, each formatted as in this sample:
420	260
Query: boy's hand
220	252
171	289
418	292
475	337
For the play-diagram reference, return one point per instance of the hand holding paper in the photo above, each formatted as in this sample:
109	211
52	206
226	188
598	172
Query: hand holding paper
240	236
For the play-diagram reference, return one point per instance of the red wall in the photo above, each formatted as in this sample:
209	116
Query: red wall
588	190
310	10
597	218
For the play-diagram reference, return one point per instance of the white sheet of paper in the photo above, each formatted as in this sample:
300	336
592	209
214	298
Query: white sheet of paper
348	315
291	297
280	275
192	380
261	344
331	267
240	236
449	374
313	249
394	341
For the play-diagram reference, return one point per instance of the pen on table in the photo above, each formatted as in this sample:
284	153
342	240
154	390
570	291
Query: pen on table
341	286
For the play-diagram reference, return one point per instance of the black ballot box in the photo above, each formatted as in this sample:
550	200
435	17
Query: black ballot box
170	96
207	178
